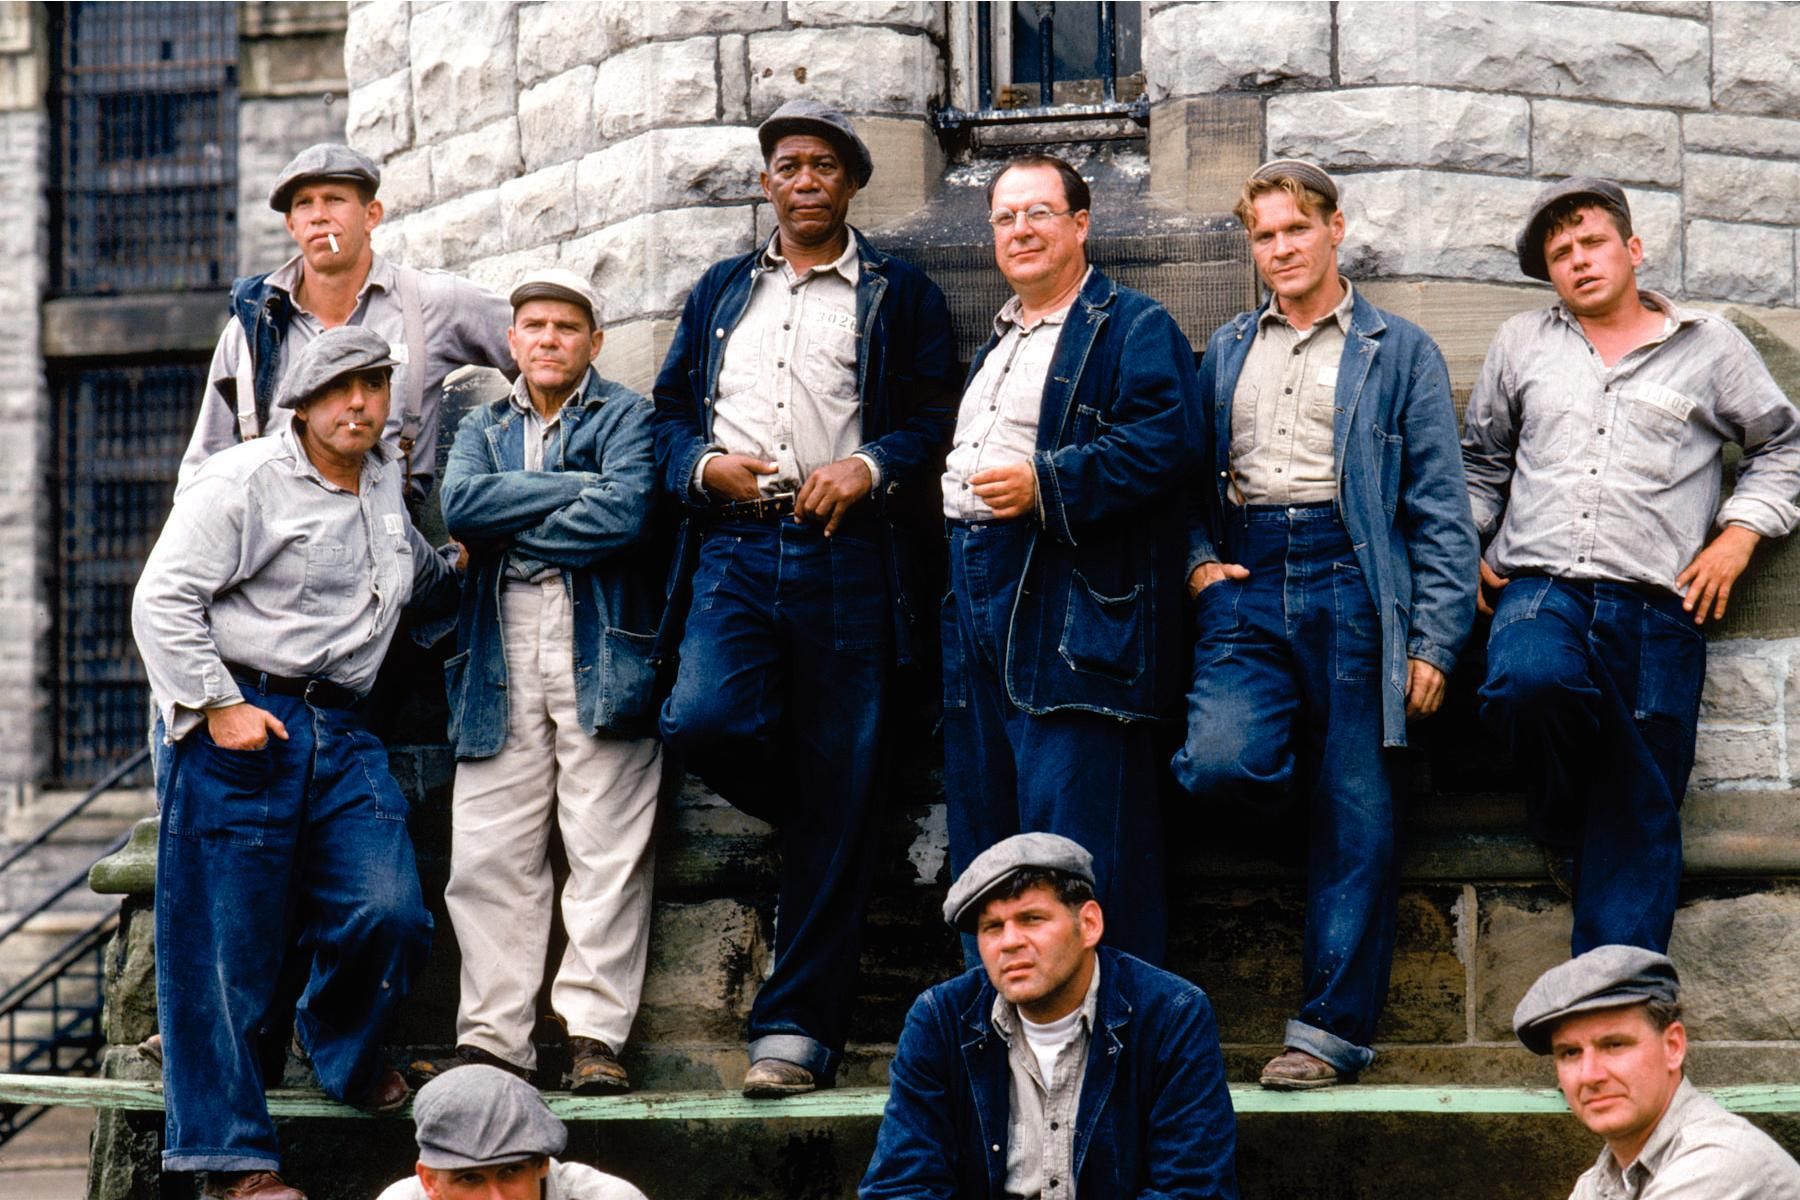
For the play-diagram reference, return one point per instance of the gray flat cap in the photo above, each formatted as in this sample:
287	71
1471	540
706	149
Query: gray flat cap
999	862
811	117
1530	242
327	160
1307	175
554	283
331	356
477	1116
1604	977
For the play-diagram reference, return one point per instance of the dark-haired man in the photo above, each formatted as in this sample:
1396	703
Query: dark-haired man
1062	629
1058	1067
1610	1019
1592	445
801	398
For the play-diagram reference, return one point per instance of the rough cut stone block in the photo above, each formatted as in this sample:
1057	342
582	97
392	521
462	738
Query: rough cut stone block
379	121
668	168
1520	933
500	273
1736	756
1743	689
646	265
556	119
1752	264
1193	49
665	83
1696	9
911	163
734	77
482	158
1632	145
389	239
1762	190
1740	966
406	182
539	207
1531	49
633	352
129	1015
876	71
628	22
1402	127
1755	67
270	132
1656	218
554	38
375	40
706	961
1741	135
917	13
463	66
468	228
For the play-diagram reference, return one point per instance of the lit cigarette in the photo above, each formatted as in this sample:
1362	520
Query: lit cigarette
332	238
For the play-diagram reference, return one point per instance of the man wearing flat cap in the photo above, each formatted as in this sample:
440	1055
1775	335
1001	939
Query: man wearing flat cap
1327	567
1610	1019
434	322
485	1134
1058	1067
263	612
551	692
1593	447
800	407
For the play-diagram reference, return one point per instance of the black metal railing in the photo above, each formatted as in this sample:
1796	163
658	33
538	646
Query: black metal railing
1095	90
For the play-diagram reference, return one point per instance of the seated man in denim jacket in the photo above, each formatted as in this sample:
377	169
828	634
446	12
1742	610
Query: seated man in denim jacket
551	692
1057	1067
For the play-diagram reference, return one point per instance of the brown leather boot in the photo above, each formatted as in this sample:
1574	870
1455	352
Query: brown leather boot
1297	1071
772	1078
596	1070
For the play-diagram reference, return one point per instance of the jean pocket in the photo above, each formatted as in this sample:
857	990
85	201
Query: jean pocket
1216	620
715	556
1356	637
1671	668
217	794
388	801
859	608
1104	635
1518	601
629	679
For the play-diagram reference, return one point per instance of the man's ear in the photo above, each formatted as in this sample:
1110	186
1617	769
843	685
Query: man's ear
1675	1045
1092	922
427	1180
373	213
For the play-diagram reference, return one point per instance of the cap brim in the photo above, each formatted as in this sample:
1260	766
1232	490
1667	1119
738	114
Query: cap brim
1536	1036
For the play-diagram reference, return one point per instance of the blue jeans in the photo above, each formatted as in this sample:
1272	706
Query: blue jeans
778	707
1089	777
298	848
1594	688
1286	698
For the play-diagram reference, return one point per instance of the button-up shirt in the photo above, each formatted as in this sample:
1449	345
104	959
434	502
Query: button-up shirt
1282	413
1585	471
787	384
1040	1127
997	421
542	439
265	563
463	325
1697	1151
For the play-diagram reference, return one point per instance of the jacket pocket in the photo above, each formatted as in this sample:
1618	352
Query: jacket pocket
456	671
1387	462
629	677
1104	635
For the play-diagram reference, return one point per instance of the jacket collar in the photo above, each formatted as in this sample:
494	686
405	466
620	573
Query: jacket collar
1112	1011
1365	319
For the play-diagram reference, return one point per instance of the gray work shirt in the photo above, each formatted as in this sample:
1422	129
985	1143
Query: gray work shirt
1697	1151
1040	1126
541	437
997	421
464	325
1585	471
787	382
1282	413
265	563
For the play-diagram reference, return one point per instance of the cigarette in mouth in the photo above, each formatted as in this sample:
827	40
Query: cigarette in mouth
332	238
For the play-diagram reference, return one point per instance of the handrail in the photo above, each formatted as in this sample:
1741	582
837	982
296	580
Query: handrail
94	793
74	881
58	961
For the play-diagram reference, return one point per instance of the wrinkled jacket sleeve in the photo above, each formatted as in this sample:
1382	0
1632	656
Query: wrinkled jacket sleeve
1434	518
1190	1147
919	389
483	506
677	424
612	511
1197	505
1490	440
916	1146
1150	449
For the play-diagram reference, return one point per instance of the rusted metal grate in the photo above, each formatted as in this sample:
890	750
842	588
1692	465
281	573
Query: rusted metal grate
145	100
1067	61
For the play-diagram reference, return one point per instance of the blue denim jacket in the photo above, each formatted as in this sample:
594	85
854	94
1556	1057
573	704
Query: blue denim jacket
904	353
589	513
1155	1118
1400	487
1097	621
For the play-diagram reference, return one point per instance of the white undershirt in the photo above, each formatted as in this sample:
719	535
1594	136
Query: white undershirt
1047	1041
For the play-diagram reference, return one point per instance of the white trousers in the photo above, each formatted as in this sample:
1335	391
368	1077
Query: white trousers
601	792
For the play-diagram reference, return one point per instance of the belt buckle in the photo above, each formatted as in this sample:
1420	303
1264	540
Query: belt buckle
306	693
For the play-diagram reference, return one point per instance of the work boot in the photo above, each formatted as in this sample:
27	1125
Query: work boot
596	1070
388	1094
1297	1071
248	1185
773	1078
421	1071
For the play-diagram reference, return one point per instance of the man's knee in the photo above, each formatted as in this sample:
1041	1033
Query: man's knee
1222	760
1527	684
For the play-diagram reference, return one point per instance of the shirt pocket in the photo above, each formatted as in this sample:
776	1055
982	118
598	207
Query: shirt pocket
1246	412
827	352
1317	415
1655	426
333	583
1546	424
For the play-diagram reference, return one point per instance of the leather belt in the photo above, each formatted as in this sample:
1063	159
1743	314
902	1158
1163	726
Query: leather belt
768	508
321	693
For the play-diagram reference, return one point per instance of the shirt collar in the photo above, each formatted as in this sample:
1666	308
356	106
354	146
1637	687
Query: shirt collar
381	276
520	397
1650	1158
1006	1015
1012	313
1341	313
374	462
848	264
1674	316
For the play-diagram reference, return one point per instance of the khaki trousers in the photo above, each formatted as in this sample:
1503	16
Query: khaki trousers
601	792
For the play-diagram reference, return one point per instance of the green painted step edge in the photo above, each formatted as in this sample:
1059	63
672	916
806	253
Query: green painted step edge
1246	1098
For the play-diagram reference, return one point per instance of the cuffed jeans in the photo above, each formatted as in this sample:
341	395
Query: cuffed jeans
1088	777
778	707
1594	688
600	793
300	847
1286	694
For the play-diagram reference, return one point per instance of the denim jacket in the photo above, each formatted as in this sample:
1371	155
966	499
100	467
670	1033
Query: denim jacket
1155	1119
1400	491
1096	624
588	513
904	352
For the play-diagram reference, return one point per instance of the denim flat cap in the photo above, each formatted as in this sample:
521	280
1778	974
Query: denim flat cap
331	356
999	862
478	1116
1604	977
326	160
1530	243
811	117
554	283
1307	175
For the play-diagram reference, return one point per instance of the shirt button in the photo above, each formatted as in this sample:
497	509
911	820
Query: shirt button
1592	471
1224	474
1287	391
781	362
1281	431
785	325
1603	429
1581	558
1054	1125
1584	516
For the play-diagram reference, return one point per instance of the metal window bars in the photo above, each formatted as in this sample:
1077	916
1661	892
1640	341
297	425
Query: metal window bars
1092	81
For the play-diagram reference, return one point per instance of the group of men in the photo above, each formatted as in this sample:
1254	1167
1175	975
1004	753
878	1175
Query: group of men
1304	479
